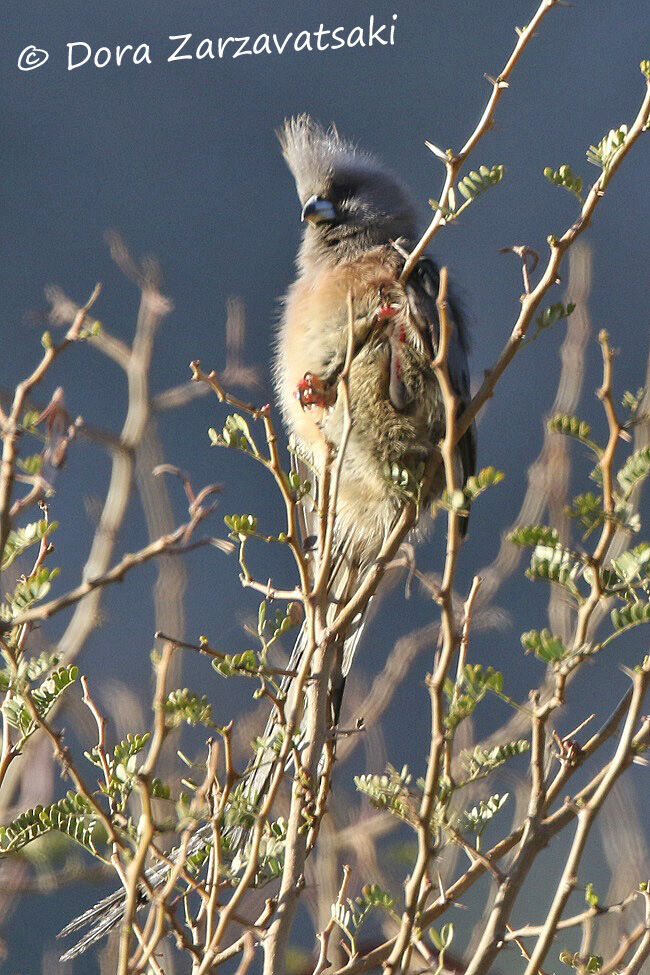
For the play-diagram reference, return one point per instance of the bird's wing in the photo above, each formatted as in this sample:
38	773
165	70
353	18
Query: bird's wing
422	291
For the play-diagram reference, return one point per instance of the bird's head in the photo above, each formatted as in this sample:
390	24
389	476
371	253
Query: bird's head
349	202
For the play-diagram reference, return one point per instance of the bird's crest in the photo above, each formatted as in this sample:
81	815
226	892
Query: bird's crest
314	154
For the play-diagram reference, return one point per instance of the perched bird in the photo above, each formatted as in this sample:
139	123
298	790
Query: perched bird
359	224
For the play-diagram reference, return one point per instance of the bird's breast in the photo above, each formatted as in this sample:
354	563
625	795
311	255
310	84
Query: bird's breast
313	339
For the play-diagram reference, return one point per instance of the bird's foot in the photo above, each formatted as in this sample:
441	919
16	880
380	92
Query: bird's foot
389	305
312	391
385	313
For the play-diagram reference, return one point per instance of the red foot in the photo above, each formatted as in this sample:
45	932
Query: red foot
312	391
386	312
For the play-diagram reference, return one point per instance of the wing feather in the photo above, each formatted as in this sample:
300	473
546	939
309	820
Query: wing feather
422	290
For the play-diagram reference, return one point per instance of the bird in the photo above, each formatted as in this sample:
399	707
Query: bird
359	226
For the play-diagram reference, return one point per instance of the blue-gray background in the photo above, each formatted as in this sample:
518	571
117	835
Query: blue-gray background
182	159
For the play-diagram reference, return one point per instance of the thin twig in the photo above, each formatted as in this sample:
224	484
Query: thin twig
415	885
165	544
324	936
11	423
586	816
558	248
454	162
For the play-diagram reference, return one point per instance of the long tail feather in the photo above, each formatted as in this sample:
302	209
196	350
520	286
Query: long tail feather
108	913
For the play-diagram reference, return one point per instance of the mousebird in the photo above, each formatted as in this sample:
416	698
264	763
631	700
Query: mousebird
359	226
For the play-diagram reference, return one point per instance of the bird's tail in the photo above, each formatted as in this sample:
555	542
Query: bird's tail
106	914
102	917
345	576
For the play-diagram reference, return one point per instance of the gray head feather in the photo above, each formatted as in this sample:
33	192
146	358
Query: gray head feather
372	206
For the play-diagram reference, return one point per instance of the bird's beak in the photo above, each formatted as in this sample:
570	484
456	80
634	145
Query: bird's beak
318	210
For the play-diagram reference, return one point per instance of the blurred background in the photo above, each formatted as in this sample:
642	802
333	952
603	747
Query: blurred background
179	161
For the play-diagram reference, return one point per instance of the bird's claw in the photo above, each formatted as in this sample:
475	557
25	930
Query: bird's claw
388	306
386	312
312	391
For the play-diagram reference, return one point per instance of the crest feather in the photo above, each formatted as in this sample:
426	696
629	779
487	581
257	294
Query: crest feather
314	154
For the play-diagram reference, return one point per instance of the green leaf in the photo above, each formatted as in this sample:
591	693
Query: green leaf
407	479
633	401
298	486
236	434
237	665
635	469
129	747
20	539
285	621
27	592
571	426
31	465
549	317
631	615
482	680
478	762
528	536
390	792
445	211
266	743
476	183
480	482
241	526
90	331
443	939
196	860
43	698
185	705
37	666
565	178
588	509
591	897
475	820
29	421
591	965
463	698
71	815
21	831
546	647
555	564
372	896
630	568
122	763
602	154
159	789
